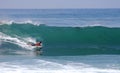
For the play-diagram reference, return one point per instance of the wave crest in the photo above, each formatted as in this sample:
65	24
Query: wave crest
10	22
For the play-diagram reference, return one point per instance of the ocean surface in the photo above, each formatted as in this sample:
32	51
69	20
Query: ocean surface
74	40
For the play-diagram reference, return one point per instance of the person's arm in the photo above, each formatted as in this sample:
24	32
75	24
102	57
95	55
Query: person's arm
32	44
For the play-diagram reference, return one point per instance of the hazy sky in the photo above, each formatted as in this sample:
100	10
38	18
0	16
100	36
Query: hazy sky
43	4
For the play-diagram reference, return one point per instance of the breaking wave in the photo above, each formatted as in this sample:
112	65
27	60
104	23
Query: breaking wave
10	22
63	40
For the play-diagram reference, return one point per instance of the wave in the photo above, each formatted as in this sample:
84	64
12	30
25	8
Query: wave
77	64
10	22
38	23
64	40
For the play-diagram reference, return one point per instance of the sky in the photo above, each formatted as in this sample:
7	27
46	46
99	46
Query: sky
56	4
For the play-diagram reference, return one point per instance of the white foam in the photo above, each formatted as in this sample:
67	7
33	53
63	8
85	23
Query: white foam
29	39
17	41
2	22
38	23
50	67
10	22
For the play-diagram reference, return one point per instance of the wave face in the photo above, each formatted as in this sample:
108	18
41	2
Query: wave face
60	40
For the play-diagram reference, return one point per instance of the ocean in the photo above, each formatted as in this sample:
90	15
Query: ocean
74	40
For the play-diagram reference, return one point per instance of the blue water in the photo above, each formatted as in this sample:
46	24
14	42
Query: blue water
74	40
65	17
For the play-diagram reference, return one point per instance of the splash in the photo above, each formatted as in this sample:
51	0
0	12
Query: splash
20	42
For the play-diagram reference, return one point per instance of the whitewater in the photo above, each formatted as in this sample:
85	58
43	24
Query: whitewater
74	40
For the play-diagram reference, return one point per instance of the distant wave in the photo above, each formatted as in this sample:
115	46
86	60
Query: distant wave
10	22
38	23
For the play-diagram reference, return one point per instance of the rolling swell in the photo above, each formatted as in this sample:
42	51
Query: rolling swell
69	40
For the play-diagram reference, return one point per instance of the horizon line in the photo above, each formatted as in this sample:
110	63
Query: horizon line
59	8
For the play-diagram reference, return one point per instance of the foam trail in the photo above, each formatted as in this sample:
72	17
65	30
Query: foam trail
30	39
14	40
